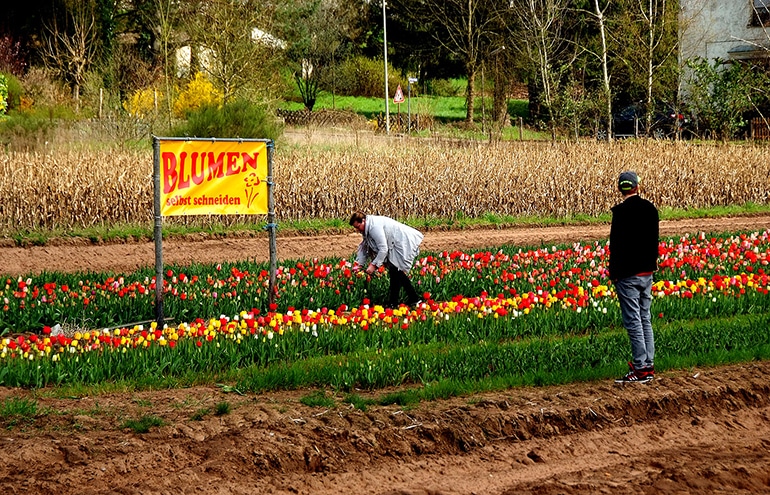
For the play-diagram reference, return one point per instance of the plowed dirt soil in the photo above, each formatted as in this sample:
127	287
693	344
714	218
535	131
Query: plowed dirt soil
691	431
80	255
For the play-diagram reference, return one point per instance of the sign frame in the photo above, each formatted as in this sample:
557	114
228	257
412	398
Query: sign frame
271	226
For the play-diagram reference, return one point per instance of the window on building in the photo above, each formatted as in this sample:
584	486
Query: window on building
760	13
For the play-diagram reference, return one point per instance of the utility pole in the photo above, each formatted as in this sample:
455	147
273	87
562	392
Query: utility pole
385	49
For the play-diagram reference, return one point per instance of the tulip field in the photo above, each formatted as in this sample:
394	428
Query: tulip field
516	315
519	315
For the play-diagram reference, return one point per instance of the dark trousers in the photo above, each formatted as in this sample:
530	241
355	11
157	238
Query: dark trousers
399	280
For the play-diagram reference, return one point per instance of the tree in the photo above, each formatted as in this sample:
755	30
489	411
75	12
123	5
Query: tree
721	94
537	34
645	37
598	14
71	49
314	31
465	28
658	22
163	20
236	47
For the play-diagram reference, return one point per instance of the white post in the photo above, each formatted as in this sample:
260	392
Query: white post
409	107
385	49
411	80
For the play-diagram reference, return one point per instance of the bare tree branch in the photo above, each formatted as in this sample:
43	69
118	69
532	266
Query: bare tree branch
70	51
465	28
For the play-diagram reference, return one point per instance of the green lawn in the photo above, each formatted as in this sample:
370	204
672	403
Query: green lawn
443	108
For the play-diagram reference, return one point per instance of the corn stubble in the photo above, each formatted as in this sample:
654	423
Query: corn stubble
80	189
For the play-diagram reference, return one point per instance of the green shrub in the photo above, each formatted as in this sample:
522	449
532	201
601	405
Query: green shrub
518	108
318	399
361	76
721	95
222	408
23	131
239	119
200	414
14	410
446	87
143	424
15	91
29	128
358	402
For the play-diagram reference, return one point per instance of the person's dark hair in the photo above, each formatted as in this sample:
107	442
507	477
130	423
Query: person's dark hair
357	217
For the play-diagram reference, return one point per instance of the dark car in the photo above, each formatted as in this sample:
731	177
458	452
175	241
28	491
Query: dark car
630	122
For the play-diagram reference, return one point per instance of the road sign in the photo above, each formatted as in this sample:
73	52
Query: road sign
399	98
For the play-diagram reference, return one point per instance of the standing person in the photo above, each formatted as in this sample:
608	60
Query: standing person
390	243
633	259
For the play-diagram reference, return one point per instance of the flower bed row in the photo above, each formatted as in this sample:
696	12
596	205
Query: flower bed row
517	295
690	263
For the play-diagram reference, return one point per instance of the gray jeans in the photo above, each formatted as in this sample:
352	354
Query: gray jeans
635	297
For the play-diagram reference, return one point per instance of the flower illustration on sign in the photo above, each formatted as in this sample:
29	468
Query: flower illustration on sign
252	181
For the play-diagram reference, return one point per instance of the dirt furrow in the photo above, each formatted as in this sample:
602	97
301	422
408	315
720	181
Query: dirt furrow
689	431
80	256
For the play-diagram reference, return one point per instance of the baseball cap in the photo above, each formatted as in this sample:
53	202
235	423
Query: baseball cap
627	181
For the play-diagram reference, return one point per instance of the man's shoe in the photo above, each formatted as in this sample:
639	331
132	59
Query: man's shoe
648	370
642	375
634	377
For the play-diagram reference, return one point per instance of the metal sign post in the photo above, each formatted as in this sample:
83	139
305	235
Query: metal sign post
157	233
271	226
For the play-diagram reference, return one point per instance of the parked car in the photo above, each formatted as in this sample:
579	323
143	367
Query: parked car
629	121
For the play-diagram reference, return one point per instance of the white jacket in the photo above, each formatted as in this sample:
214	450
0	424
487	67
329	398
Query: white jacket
388	240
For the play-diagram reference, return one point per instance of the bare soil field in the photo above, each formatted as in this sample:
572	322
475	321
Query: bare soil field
82	255
691	431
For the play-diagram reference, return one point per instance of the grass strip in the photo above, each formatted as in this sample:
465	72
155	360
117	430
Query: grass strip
439	370
527	362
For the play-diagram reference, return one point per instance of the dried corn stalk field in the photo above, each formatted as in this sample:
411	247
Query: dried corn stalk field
405	178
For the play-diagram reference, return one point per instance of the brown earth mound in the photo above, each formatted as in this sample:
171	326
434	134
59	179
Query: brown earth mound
690	431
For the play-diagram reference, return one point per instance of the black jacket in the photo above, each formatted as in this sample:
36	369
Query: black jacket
633	238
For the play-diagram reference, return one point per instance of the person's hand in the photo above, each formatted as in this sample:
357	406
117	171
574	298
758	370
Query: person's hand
370	269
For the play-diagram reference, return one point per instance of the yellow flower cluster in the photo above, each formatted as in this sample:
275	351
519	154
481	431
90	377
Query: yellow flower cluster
199	92
143	102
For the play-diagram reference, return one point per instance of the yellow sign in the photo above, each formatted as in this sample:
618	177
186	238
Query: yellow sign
213	177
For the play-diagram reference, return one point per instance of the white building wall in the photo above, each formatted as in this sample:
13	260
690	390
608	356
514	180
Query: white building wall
206	57
711	28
